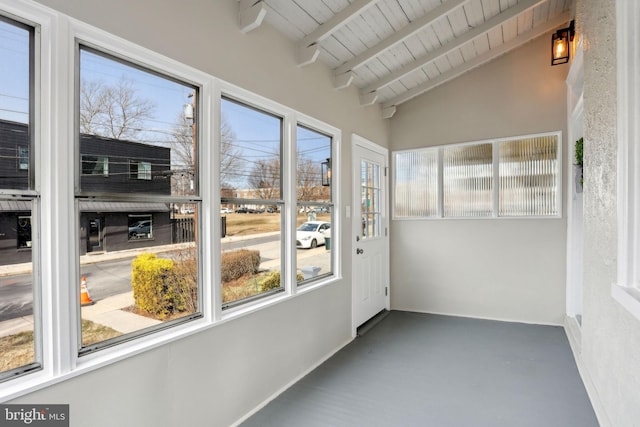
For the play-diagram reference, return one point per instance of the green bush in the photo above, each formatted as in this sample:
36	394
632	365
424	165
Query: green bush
236	264
158	288
272	281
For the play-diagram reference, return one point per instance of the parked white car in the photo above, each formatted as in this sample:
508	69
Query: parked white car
226	210
312	233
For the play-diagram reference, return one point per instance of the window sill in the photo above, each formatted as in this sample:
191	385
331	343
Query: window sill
628	297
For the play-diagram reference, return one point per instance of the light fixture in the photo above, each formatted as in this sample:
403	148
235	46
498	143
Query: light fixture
560	44
326	173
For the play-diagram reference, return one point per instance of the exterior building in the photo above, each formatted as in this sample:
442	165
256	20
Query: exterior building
108	166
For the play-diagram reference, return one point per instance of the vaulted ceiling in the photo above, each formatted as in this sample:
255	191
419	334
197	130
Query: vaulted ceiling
395	50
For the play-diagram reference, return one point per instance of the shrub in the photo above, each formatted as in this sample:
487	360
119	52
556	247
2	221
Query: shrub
236	264
158	287
272	281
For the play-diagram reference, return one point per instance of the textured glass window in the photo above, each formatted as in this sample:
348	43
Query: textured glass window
416	183
529	176
468	180
459	180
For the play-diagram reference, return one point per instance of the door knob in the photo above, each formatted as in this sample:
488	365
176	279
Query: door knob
359	251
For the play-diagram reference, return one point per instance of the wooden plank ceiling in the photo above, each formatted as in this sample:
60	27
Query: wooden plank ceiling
395	50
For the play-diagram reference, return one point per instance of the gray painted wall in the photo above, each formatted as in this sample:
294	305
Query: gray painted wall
507	269
217	376
610	335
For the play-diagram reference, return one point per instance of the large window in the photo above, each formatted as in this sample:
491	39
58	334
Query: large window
19	340
627	289
108	208
250	187
136	148
513	177
314	205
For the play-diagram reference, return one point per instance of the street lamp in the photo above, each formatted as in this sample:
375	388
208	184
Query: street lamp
326	172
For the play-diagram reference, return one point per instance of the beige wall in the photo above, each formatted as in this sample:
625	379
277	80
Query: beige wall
508	269
610	335
217	376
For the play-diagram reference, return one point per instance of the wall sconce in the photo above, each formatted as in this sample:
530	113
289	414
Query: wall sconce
560	44
326	173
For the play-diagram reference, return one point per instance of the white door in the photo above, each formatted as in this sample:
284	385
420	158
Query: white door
370	245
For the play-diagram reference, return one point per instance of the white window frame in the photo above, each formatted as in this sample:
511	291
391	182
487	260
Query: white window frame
626	291
55	163
291	119
439	215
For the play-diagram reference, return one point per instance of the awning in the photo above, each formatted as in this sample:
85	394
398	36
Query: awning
124	207
15	206
92	206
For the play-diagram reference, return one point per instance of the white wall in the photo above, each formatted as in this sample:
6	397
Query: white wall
217	376
508	269
610	335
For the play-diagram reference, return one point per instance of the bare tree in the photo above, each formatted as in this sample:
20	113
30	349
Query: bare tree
113	111
308	178
183	149
265	179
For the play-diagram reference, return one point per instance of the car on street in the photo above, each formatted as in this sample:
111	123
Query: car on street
312	234
226	210
140	230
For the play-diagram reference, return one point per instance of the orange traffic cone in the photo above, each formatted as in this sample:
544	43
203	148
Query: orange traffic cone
85	299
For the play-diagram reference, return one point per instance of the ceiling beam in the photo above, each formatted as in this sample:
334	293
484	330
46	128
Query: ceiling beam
400	36
479	60
251	14
456	43
310	41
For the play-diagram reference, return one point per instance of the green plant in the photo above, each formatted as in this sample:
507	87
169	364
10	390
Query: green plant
158	288
579	152
579	158
235	264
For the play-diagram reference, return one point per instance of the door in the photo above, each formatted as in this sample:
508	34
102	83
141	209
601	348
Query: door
95	234
370	256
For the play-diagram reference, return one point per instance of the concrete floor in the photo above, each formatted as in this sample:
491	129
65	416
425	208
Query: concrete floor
416	369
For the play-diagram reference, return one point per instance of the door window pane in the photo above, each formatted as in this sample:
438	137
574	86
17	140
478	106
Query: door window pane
370	207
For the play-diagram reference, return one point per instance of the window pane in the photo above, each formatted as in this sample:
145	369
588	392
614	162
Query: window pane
416	183
314	205
251	204
529	176
18	340
136	136
468	180
15	76
314	235
138	266
251	254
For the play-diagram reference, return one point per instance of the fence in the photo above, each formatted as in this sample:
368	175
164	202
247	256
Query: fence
183	229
